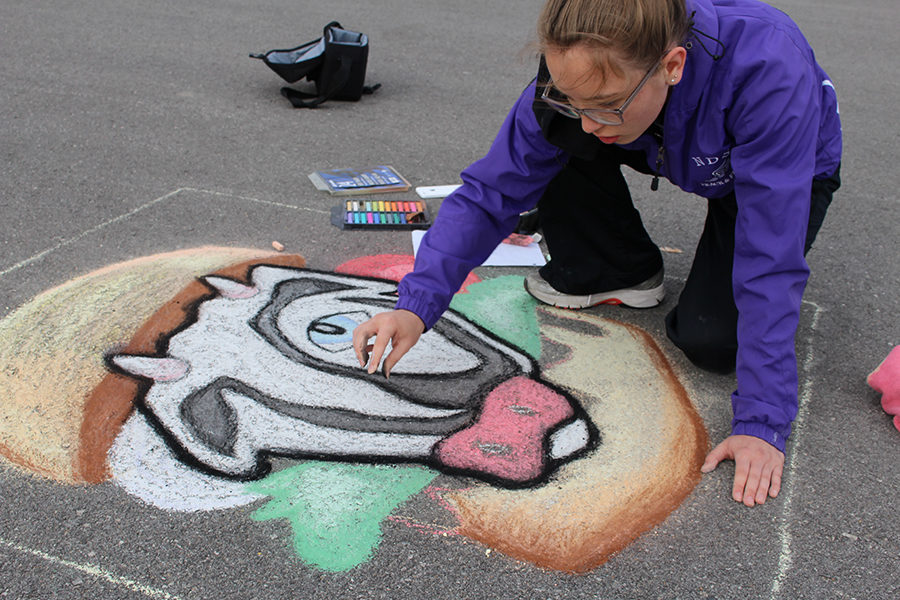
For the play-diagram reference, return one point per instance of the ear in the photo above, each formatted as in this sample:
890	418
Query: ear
229	288
157	369
673	64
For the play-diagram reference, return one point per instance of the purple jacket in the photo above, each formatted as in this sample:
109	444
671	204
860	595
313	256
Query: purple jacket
760	121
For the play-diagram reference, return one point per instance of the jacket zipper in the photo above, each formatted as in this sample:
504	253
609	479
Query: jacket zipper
654	185
659	134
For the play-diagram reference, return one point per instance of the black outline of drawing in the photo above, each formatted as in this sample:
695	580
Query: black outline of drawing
263	462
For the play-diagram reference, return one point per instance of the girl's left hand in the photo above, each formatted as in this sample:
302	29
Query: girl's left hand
758	466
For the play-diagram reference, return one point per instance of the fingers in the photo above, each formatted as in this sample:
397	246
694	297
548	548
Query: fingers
377	349
366	353
755	487
762	490
775	485
751	483
743	488
718	454
401	329
409	328
361	345
400	347
758	468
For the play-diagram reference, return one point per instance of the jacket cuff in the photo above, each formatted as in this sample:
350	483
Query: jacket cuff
423	309
761	431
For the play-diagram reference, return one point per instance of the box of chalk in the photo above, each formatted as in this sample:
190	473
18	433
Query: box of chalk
381	214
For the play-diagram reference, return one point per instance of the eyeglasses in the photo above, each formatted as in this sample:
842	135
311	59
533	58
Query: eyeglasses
604	116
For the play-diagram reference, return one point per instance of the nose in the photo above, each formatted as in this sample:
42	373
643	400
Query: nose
507	440
589	125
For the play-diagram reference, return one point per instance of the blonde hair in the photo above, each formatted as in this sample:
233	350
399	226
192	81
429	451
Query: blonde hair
637	31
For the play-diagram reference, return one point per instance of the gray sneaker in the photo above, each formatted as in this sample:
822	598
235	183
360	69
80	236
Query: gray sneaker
644	295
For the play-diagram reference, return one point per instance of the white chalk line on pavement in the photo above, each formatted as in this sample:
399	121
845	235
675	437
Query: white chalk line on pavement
93	570
257	200
84	234
139	209
785	558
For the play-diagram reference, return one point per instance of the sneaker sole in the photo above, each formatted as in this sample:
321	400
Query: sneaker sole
630	298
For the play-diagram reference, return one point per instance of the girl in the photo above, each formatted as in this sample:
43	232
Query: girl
725	100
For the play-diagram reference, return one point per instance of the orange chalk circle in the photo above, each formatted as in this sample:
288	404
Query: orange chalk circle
653	445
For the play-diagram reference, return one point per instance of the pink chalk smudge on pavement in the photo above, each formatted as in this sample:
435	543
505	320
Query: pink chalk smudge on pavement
389	266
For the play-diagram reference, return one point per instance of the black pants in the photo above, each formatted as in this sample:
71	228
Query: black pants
598	243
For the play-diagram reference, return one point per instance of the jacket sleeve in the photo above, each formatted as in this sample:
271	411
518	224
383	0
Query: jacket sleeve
774	120
482	212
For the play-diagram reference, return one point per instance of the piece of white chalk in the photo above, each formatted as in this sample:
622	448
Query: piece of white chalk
436	191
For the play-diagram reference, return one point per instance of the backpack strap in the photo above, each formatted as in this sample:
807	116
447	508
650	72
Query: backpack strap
303	100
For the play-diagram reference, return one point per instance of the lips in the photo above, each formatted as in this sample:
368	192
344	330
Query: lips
608	140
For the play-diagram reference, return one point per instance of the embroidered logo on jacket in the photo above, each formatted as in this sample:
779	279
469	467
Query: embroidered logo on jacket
721	174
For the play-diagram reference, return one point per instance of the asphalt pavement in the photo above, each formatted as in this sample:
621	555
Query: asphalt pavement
131	129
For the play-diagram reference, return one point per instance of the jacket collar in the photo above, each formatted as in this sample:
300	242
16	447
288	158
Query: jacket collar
703	50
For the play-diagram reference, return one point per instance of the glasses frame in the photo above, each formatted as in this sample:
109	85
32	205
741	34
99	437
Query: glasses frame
603	116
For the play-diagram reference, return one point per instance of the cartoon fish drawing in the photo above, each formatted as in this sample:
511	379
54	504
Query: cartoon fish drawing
268	369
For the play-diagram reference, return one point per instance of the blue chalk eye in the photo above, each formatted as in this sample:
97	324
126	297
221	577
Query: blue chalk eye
335	332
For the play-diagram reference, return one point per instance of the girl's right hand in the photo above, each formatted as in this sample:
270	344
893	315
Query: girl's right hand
402	328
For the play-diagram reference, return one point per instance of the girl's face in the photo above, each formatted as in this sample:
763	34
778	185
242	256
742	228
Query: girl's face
574	74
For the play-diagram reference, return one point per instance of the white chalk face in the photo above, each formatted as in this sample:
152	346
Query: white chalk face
269	369
329	337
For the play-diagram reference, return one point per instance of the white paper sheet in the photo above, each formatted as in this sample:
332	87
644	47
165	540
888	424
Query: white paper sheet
504	255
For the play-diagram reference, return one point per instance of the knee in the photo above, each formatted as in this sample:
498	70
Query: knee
708	342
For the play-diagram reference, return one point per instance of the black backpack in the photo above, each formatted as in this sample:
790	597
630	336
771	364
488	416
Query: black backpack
335	63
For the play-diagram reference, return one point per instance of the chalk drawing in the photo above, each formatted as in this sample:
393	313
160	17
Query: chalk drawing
268	369
517	321
251	361
436	495
60	408
390	266
144	465
653	443
336	510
